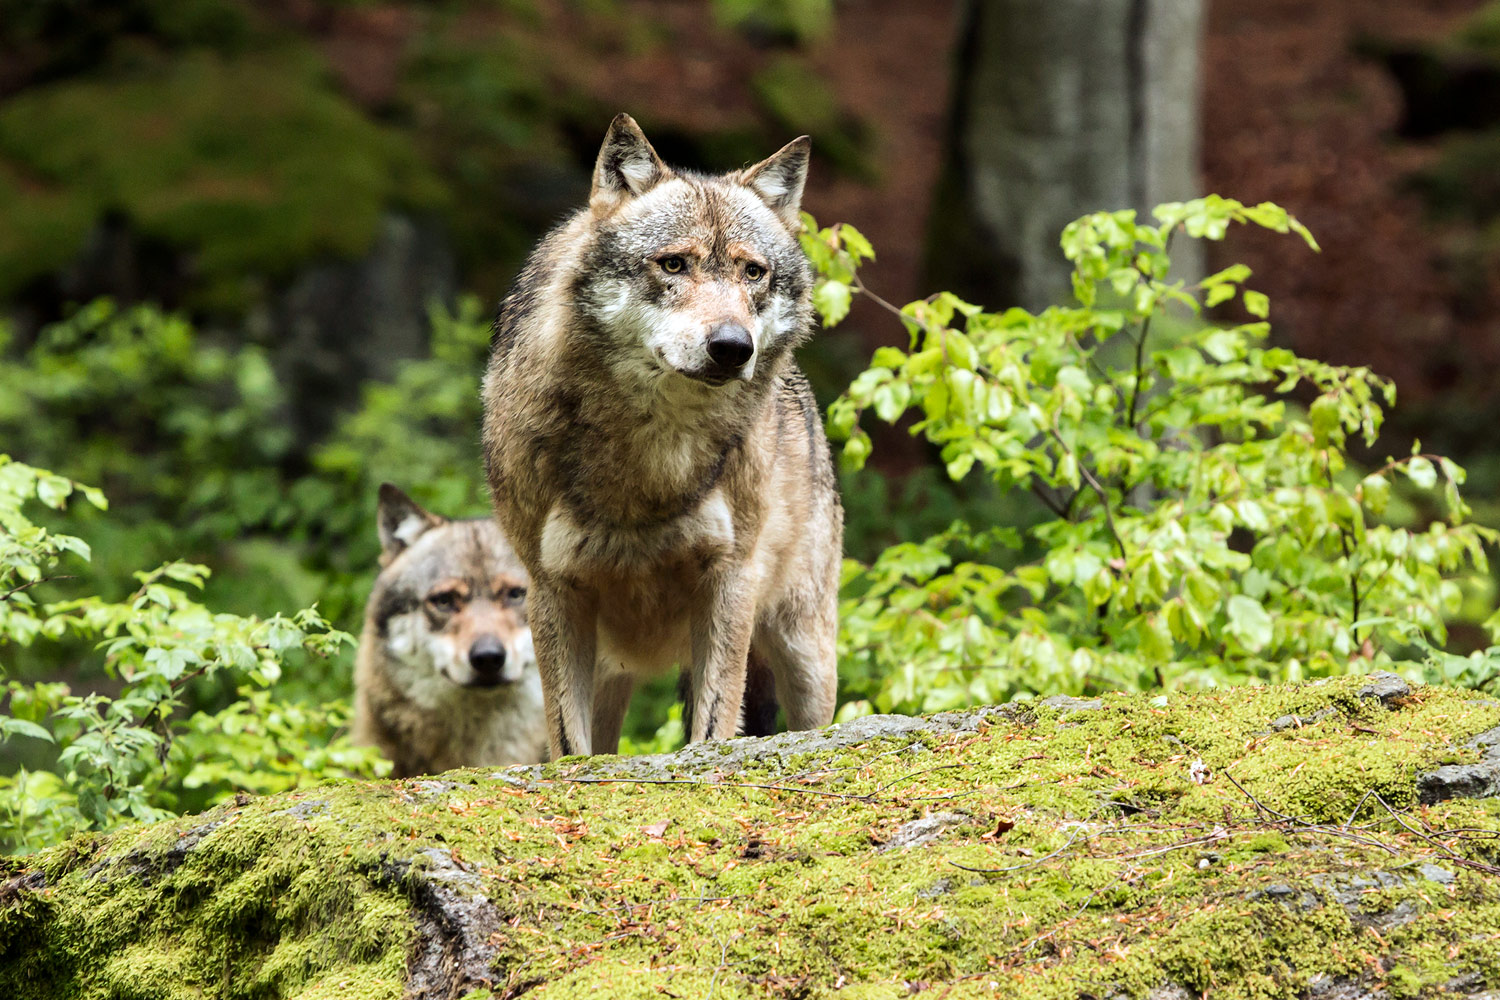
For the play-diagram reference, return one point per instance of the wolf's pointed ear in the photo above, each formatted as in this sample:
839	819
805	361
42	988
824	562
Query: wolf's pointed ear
779	179
627	166
401	521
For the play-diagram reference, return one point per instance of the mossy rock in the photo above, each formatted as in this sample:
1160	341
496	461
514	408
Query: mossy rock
1257	842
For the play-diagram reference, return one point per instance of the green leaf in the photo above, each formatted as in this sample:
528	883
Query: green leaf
831	299
1421	472
21	727
855	242
1248	622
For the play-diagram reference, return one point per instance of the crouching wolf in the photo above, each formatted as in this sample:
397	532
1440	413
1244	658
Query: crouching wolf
445	676
656	457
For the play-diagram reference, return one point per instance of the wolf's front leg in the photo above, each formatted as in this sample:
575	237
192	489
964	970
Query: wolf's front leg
721	629
563	621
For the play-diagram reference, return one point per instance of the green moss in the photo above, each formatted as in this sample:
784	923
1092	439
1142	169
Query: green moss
1102	866
253	162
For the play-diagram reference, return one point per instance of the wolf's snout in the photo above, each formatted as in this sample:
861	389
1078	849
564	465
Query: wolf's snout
487	657
730	346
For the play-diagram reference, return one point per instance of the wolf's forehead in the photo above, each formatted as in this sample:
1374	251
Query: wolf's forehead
712	208
468	550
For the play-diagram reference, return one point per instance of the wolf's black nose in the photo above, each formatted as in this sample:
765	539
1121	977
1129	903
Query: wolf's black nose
487	657
730	346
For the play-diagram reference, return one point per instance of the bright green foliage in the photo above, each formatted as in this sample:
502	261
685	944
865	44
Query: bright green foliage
1206	528
130	755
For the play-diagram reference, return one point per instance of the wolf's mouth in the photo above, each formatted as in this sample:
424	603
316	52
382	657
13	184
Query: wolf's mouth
711	377
488	683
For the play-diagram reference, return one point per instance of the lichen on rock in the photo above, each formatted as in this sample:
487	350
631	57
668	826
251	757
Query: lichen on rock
1136	847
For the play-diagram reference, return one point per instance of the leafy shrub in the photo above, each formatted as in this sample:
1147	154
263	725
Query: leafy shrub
197	456
1202	527
132	754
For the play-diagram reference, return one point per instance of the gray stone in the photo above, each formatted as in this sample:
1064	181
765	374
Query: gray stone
1486	740
1067	703
925	830
1325	987
1298	721
1352	893
1386	687
305	810
722	759
428	788
1170	991
1433	873
941	887
451	953
1480	780
1459	781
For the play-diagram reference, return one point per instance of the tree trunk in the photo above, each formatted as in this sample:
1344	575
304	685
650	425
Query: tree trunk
1061	107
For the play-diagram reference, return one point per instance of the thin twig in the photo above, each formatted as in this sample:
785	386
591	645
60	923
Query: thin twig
1088	477
1049	502
31	583
1262	807
1140	351
1140	342
663	902
1039	861
716	784
928	770
1444	849
714	979
1358	806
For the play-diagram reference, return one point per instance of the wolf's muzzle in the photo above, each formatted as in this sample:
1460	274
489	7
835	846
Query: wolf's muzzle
487	657
729	348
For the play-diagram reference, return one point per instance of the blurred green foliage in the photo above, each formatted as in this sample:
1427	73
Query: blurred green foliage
253	162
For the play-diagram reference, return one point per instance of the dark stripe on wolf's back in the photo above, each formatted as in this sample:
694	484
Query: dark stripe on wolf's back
519	304
393	602
795	388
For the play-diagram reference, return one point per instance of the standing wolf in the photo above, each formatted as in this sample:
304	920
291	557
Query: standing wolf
445	675
656	457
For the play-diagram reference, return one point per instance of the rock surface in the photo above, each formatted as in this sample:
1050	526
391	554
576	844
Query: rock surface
1161	847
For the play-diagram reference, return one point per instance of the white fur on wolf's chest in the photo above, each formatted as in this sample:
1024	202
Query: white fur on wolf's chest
573	551
646	580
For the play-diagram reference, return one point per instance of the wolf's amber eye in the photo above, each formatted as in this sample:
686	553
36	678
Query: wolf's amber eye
672	265
754	272
444	600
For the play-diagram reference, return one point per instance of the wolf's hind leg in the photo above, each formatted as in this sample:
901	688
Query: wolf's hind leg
760	698
563	631
611	699
800	645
